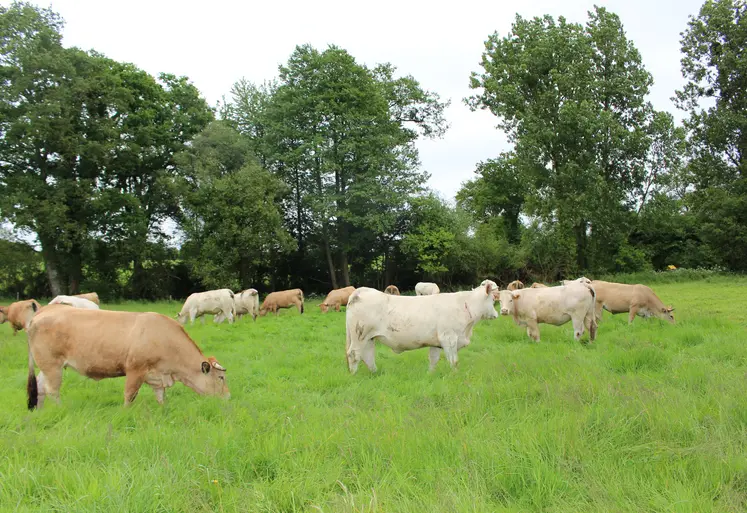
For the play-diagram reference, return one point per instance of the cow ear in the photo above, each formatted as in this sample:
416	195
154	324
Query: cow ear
487	289
205	367
515	295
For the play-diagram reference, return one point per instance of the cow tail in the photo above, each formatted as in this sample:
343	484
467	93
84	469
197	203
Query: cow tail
516	311
32	390
300	296
593	327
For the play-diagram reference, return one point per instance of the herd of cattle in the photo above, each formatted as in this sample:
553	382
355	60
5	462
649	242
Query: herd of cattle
153	349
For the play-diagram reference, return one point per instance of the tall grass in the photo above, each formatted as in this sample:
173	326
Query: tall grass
650	417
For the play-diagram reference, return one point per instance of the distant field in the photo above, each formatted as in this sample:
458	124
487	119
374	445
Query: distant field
650	417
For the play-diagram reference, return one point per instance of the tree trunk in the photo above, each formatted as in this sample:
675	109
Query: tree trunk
56	282
344	266
581	246
328	254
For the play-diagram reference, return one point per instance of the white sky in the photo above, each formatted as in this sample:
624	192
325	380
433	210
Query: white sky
216	43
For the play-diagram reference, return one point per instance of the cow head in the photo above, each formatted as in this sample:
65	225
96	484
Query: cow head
515	285
506	298
484	309
212	380
3	314
324	307
666	313
181	318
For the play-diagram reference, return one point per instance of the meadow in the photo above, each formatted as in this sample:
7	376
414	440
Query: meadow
650	417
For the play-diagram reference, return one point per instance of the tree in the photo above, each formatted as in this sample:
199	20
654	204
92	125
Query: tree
231	217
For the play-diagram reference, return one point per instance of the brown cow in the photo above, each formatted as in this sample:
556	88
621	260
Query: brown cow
20	313
515	285
392	290
91	296
537	285
336	298
282	299
145	347
635	299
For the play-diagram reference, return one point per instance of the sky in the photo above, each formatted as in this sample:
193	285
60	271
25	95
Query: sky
217	42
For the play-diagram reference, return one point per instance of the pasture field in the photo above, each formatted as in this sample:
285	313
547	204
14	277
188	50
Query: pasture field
651	417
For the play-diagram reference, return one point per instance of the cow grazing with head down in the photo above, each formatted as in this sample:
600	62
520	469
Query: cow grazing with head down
247	302
552	305
402	323
219	303
282	299
392	289
20	313
144	347
336	299
635	299
74	301
425	288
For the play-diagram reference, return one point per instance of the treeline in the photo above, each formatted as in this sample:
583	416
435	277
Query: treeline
133	186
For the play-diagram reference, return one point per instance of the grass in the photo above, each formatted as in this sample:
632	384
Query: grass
651	417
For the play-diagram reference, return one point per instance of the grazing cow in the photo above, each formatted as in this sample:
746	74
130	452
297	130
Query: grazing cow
247	302
145	347
336	298
20	313
91	296
424	288
392	289
282	299
635	299
515	285
219	303
537	285
552	305
438	321
77	302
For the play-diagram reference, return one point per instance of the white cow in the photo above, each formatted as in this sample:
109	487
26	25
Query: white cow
552	305
439	321
77	302
582	279
216	302
247	302
425	288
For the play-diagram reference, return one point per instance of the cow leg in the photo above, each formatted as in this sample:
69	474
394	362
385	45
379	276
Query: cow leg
133	382
578	327
50	384
449	343
598	307
533	330
160	393
632	314
368	354
434	355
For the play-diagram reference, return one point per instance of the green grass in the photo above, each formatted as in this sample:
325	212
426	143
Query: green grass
650	417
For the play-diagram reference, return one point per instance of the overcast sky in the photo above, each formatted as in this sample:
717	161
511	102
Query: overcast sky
217	42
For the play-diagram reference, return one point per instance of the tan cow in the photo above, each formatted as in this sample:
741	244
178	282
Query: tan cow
20	313
515	285
537	285
404	323
91	296
336	298
552	305
145	347
3	314
219	303
247	302
426	288
392	290
635	299
282	299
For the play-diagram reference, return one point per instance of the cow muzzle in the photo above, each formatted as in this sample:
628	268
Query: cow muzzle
504	311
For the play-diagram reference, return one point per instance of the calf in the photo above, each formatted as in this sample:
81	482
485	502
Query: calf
552	305
282	299
425	288
20	313
438	321
392	289
247	302
635	299
336	298
145	347
75	301
219	303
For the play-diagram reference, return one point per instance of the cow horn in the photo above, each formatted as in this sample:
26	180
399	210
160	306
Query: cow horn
218	366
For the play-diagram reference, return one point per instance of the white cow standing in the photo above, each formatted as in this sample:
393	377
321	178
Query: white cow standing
439	321
77	302
426	288
219	303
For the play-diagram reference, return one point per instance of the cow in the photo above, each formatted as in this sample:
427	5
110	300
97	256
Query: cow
336	298
145	347
424	288
537	285
635	299
515	285
247	302
20	313
552	305
392	289
75	301
582	279
402	323
3	314
91	296
219	303
282	299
